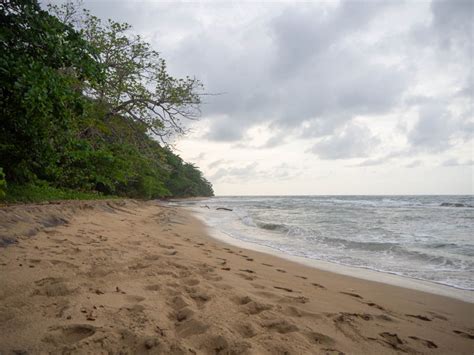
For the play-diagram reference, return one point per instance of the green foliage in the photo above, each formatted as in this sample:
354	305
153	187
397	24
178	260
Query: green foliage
185	179
3	184
42	192
137	85
43	64
79	107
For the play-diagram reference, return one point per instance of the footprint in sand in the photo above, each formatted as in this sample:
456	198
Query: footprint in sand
319	338
134	299
138	266
246	330
199	296
374	305
298	299
254	307
206	268
248	271
218	344
291	311
438	316
52	287
191	327
69	334
427	343
165	246
392	340
246	277
463	334
178	302
151	257
191	282
242	300
355	295
184	314
281	270
420	317
344	316
223	261
212	277
153	287
257	286
318	285
281	326
283	288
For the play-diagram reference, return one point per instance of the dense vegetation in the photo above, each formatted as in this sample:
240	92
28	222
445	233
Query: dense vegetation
87	107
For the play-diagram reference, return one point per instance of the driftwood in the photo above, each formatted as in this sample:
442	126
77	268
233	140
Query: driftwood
206	206
224	208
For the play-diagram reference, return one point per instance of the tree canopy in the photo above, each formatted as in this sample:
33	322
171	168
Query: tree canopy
137	84
82	104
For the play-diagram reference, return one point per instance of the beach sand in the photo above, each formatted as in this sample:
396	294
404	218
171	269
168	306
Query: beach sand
128	277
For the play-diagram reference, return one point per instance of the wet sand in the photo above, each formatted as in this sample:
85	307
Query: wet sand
138	278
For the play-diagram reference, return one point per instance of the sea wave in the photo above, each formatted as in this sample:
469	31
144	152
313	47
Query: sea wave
273	226
455	204
288	230
427	237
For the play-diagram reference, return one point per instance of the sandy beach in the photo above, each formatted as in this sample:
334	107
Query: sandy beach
127	277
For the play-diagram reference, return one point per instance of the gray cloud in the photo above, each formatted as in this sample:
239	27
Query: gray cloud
455	162
199	157
353	141
300	35
217	163
251	172
293	68
438	129
433	128
372	162
453	21
233	173
276	140
414	164
308	70
223	130
387	158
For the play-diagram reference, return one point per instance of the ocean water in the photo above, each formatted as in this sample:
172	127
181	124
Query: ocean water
423	237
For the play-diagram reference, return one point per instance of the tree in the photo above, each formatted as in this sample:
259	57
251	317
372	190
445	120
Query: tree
186	179
79	108
137	85
3	183
44	64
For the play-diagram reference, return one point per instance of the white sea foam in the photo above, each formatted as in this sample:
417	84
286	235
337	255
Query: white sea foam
421	237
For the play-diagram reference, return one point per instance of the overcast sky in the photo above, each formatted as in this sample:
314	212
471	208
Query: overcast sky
337	97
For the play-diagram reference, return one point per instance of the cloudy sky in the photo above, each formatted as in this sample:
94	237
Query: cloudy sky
336	97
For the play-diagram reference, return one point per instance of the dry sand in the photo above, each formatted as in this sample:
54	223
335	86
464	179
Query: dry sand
129	278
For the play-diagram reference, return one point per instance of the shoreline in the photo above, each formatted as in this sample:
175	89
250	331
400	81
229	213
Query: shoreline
342	269
143	277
